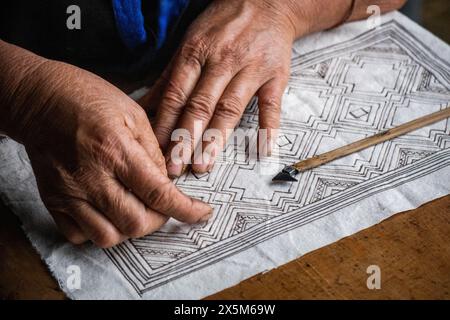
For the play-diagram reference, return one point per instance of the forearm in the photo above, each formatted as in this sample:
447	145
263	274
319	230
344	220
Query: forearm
21	82
309	16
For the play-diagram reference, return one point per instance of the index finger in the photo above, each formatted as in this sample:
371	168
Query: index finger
181	79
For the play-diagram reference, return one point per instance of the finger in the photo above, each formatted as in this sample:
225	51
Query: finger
69	228
184	74
198	112
95	226
150	101
146	138
128	214
138	173
269	104
227	115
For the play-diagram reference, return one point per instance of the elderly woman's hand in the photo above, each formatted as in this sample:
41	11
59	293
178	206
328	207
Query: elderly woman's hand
98	166
234	50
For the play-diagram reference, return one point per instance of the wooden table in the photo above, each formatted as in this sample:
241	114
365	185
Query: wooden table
412	250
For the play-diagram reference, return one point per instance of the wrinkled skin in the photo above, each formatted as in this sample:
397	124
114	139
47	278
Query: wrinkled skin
99	167
233	50
97	162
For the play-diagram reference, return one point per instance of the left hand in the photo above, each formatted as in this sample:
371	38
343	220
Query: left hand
232	51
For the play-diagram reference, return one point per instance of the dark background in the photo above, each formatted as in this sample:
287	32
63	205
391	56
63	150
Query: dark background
433	15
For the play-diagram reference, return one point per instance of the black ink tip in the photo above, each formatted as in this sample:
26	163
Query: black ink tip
283	177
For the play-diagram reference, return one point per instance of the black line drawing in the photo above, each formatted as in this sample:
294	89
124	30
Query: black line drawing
348	91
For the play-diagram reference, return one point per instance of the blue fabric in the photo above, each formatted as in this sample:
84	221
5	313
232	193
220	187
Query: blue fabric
130	20
168	10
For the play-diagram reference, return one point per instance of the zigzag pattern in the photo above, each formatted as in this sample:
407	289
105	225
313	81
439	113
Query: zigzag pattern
335	96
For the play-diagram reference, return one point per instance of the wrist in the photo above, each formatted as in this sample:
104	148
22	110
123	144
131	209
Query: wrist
299	15
284	14
308	16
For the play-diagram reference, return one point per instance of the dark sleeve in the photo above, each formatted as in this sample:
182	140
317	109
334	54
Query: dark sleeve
40	26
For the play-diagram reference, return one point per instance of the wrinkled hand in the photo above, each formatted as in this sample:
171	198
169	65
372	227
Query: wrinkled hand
233	50
99	168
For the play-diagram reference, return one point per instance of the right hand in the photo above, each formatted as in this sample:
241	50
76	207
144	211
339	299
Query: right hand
98	165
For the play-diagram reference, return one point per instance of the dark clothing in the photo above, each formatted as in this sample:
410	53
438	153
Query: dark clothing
40	26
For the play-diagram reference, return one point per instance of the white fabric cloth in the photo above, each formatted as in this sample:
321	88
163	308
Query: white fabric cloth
346	84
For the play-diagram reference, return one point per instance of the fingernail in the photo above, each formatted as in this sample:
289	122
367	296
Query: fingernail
202	168
204	209
205	165
269	148
206	217
174	170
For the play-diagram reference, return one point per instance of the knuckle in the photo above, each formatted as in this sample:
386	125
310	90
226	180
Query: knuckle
161	196
230	107
105	238
232	53
135	226
75	237
271	103
101	194
140	115
201	106
137	112
193	51
268	58
107	149
157	197
129	223
174	95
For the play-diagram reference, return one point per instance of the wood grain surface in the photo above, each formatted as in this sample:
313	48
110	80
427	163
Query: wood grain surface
411	248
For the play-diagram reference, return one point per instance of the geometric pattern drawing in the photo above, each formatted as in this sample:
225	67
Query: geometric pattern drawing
336	95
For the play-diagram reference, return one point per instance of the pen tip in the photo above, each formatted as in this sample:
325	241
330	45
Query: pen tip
283	177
